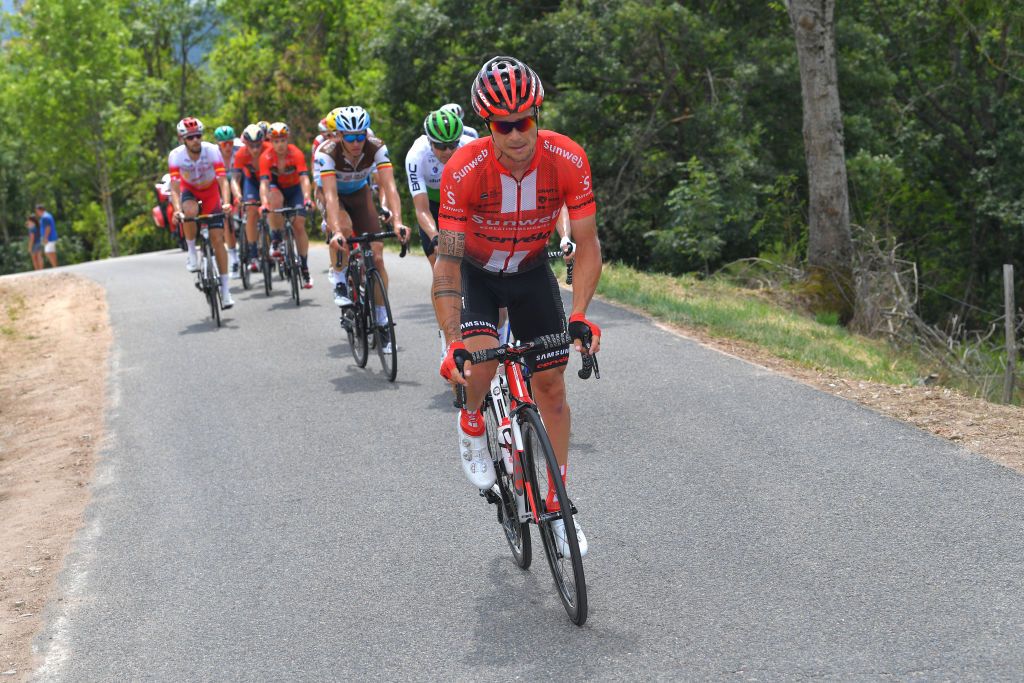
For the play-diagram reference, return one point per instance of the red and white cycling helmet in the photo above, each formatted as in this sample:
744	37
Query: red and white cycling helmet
505	86
190	126
278	130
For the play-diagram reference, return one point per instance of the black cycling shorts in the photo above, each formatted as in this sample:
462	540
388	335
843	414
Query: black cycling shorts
534	304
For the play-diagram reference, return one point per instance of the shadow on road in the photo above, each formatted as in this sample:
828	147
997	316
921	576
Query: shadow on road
369	380
208	326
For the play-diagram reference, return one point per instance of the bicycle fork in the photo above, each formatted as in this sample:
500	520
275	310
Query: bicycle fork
510	444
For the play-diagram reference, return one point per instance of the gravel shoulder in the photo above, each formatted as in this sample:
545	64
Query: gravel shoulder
54	343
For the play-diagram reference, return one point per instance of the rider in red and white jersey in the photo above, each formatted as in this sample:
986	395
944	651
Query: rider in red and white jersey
500	199
198	178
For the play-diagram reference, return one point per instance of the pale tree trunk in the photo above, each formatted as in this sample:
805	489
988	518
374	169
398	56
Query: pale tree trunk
829	246
106	198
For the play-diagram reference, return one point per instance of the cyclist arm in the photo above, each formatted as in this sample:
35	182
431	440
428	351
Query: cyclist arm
225	193
264	191
307	192
588	267
332	204
236	186
389	192
421	203
176	194
446	290
564	233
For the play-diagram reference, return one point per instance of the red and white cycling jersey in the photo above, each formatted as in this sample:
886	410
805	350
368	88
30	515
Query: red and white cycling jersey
196	174
507	223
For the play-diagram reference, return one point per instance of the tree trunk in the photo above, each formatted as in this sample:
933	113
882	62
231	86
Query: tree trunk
106	198
829	245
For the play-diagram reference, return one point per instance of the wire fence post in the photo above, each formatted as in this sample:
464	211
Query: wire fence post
1011	341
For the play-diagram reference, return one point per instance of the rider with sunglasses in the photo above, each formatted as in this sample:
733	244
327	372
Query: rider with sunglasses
198	178
443	133
245	183
284	182
345	165
500	199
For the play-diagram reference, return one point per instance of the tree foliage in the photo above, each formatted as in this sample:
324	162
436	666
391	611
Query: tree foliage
690	112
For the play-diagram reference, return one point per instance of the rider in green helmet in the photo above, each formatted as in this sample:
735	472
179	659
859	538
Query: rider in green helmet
442	135
442	126
229	144
224	134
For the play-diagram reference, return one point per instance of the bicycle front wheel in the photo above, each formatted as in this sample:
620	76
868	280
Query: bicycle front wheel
517	533
243	259
543	473
292	259
265	265
384	331
359	333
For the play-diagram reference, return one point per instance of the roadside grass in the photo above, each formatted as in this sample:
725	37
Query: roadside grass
725	310
14	308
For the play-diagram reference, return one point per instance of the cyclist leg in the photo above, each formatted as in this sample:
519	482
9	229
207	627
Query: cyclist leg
478	318
275	220
364	220
251	193
535	309
292	198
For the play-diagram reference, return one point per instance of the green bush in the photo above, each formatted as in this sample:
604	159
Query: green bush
140	236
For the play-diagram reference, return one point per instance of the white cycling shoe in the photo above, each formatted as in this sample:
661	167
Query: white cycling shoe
190	264
558	527
226	301
476	459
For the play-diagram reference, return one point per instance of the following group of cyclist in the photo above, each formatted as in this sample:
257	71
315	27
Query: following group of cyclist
485	208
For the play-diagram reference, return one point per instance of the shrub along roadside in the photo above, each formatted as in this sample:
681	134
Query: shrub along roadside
731	312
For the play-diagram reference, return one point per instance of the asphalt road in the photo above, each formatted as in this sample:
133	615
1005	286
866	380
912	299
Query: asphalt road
264	510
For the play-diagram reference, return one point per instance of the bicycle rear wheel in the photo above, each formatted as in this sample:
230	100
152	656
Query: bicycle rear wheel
543	473
383	332
359	333
517	533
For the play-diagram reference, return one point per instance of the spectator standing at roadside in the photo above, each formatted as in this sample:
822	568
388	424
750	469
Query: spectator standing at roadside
35	244
48	234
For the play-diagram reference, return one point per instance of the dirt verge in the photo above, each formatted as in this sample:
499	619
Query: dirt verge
54	342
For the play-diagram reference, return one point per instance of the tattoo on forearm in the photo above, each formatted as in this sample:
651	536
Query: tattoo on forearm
451	244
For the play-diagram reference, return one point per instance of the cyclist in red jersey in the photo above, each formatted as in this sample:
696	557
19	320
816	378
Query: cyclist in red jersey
500	199
284	181
245	184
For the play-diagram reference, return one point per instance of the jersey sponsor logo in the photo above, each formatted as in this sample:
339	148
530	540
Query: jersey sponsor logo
449	217
451	196
526	222
535	237
473	163
575	159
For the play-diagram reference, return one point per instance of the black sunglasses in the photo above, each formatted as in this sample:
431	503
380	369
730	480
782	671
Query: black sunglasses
194	136
444	145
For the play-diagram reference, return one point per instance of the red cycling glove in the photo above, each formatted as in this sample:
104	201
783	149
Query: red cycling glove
448	364
582	329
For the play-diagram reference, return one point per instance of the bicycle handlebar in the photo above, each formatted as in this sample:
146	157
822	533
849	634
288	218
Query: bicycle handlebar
202	217
368	237
513	351
557	254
